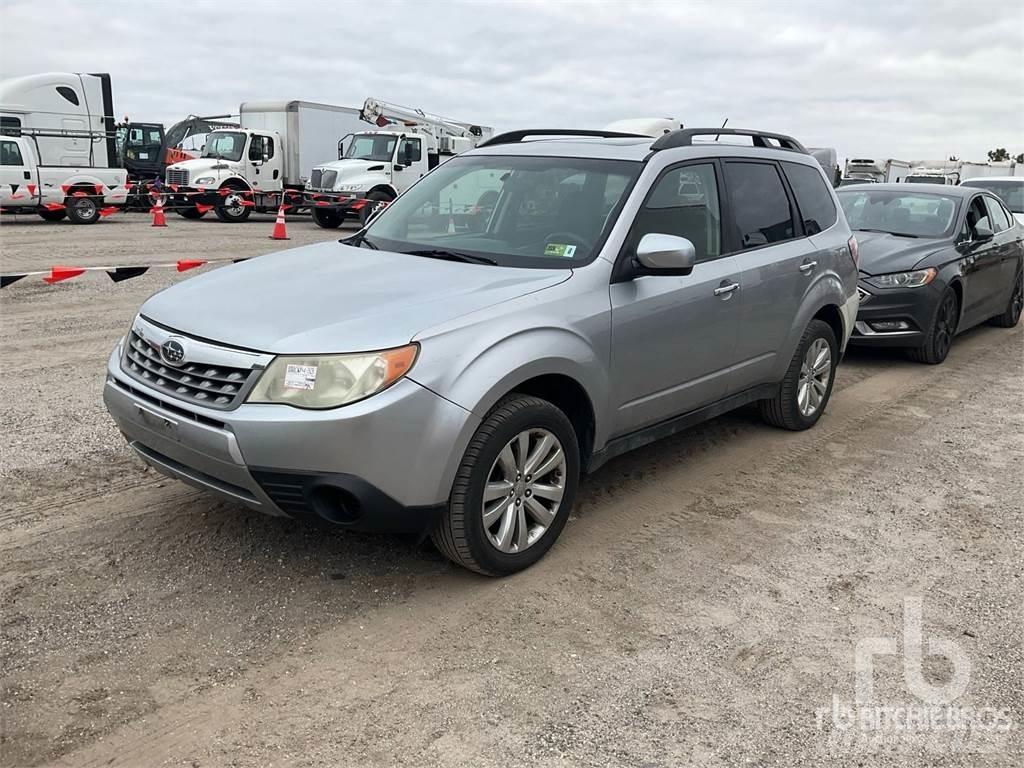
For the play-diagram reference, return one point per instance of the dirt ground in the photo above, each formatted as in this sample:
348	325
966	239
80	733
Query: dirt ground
703	606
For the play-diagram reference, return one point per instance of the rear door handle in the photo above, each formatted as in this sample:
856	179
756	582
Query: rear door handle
723	290
807	266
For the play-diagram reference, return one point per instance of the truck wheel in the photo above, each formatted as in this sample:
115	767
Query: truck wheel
513	490
82	210
52	215
327	219
191	212
375	199
230	209
805	390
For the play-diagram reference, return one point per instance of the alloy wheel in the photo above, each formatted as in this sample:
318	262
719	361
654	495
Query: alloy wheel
1017	303
524	490
945	324
815	374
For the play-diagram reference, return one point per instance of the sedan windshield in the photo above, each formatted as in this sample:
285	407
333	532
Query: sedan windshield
548	212
1010	192
915	214
372	147
227	145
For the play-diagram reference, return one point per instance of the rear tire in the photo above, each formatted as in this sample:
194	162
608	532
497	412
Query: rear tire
326	218
941	332
82	210
1011	315
462	534
52	215
191	213
807	386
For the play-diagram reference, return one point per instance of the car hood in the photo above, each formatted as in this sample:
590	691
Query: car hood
350	168
881	252
331	297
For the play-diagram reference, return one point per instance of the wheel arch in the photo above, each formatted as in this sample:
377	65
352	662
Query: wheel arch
387	189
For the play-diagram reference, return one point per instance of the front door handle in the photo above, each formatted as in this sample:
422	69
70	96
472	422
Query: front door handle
28	175
726	288
807	266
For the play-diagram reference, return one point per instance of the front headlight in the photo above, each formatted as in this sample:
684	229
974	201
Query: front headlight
205	180
329	381
913	279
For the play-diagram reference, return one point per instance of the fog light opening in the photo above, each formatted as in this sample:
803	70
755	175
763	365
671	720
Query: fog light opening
883	326
336	505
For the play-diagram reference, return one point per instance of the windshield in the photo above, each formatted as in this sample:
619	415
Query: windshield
920	214
227	145
372	147
547	212
1010	192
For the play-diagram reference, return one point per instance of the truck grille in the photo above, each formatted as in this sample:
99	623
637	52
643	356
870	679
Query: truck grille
175	176
328	179
212	386
314	178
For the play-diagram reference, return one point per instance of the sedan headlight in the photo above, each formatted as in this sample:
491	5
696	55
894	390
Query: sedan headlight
914	279
205	180
329	381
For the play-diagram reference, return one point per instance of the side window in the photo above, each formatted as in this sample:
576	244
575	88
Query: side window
760	206
68	93
410	150
683	202
996	214
261	145
10	126
812	197
10	153
977	214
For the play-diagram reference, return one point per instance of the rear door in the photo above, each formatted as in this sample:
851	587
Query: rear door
1008	243
777	262
674	337
981	266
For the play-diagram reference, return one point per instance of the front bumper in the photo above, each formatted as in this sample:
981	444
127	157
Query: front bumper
385	463
895	317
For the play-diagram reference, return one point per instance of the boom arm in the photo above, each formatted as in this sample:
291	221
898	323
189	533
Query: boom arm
381	113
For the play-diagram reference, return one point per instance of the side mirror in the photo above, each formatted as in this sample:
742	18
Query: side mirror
982	233
666	254
407	154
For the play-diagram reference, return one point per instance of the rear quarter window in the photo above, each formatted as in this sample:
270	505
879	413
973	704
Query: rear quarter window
812	197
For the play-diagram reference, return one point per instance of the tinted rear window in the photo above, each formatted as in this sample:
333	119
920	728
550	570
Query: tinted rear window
760	207
812	197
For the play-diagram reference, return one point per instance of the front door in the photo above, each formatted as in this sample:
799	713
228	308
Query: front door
674	338
410	163
265	163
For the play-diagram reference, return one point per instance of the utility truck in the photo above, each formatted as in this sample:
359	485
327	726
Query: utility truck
249	168
375	166
881	171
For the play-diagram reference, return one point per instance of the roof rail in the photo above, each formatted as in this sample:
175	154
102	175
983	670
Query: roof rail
684	138
515	137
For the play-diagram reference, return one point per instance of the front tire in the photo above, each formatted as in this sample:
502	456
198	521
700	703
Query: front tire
806	388
52	215
375	199
82	210
230	209
1011	315
325	218
513	490
940	335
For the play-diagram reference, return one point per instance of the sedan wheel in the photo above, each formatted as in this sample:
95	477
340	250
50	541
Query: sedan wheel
524	490
940	337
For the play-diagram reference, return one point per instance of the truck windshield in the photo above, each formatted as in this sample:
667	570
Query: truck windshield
372	147
925	179
227	145
917	214
1010	192
547	212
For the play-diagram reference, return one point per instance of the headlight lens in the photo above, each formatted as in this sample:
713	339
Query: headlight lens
913	279
329	381
205	180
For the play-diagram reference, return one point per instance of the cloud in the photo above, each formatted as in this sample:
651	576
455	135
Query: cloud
878	77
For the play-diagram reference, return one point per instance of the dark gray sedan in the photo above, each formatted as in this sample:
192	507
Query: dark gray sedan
934	261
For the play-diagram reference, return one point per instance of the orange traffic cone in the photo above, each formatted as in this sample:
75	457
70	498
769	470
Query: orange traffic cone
159	220
280	233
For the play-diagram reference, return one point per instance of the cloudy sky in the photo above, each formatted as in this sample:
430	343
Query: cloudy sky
909	79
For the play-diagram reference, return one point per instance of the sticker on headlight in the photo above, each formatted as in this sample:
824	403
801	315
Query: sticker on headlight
300	376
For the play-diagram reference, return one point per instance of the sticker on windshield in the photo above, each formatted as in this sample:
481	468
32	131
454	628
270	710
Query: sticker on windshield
558	250
299	376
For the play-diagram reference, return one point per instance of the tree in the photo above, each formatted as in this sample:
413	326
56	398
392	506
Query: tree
998	155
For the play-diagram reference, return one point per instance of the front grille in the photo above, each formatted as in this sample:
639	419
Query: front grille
212	386
314	178
864	295
329	179
176	176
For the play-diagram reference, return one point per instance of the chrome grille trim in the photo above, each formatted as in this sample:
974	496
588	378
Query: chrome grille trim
314	178
176	176
329	177
864	295
209	376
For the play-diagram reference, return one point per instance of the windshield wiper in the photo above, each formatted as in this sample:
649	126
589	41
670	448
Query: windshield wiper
357	240
887	232
440	253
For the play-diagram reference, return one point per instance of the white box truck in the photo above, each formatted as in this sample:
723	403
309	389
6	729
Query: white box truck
880	171
248	168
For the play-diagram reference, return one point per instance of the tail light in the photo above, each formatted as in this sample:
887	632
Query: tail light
854	250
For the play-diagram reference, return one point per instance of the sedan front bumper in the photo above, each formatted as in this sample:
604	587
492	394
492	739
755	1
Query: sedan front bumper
895	317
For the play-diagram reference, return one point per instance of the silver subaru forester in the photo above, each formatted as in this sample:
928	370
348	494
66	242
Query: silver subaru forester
527	311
